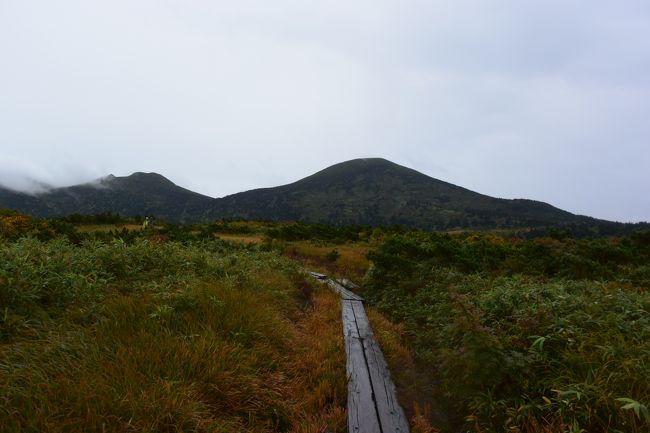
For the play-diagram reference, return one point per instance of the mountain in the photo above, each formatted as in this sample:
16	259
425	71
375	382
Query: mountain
370	191
375	191
137	194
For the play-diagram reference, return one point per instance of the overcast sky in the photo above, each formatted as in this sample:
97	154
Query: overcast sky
548	100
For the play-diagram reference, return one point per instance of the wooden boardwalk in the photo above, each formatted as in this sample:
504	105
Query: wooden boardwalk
372	400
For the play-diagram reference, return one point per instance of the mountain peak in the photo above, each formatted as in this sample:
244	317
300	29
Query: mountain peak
141	179
370	191
148	175
369	161
375	191
371	172
364	164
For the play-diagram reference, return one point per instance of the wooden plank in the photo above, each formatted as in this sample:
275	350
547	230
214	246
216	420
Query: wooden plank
363	325
337	287
317	275
345	293
391	416
362	413
372	401
347	283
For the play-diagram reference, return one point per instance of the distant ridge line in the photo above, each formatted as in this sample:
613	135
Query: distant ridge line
368	191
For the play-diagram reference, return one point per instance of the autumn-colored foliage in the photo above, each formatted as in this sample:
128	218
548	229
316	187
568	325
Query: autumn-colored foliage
14	224
529	336
121	335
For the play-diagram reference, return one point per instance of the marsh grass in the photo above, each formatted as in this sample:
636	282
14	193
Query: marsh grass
558	345
163	336
415	381
349	260
90	228
244	238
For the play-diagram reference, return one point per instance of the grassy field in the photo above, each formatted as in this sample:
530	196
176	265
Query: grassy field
164	336
108	327
349	260
251	238
89	228
529	336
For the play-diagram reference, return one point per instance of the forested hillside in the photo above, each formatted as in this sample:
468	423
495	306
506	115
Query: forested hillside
373	192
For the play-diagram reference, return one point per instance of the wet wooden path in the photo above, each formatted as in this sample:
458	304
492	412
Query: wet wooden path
372	400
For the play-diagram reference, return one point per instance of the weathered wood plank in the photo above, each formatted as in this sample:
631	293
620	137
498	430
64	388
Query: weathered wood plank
363	325
372	401
347	283
317	275
345	293
349	323
362	413
391	416
337	287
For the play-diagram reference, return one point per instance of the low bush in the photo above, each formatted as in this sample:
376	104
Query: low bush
541	335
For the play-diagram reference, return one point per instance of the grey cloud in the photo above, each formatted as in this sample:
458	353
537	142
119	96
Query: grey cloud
545	100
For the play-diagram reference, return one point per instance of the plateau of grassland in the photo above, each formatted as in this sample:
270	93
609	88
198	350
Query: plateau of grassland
106	326
147	333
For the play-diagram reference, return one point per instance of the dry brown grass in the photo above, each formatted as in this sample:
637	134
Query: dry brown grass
241	238
230	342
420	421
318	364
351	262
89	228
413	382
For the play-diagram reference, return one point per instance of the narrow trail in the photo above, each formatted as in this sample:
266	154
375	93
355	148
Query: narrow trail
372	400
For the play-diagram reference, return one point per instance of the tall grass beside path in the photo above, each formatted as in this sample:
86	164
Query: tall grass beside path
524	336
163	336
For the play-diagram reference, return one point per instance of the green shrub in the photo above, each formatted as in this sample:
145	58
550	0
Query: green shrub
540	335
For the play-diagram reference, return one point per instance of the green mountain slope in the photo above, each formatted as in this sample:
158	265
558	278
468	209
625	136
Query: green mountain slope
137	194
370	191
378	192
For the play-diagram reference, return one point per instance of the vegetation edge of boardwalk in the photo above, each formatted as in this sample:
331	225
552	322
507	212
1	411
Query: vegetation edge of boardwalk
372	399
